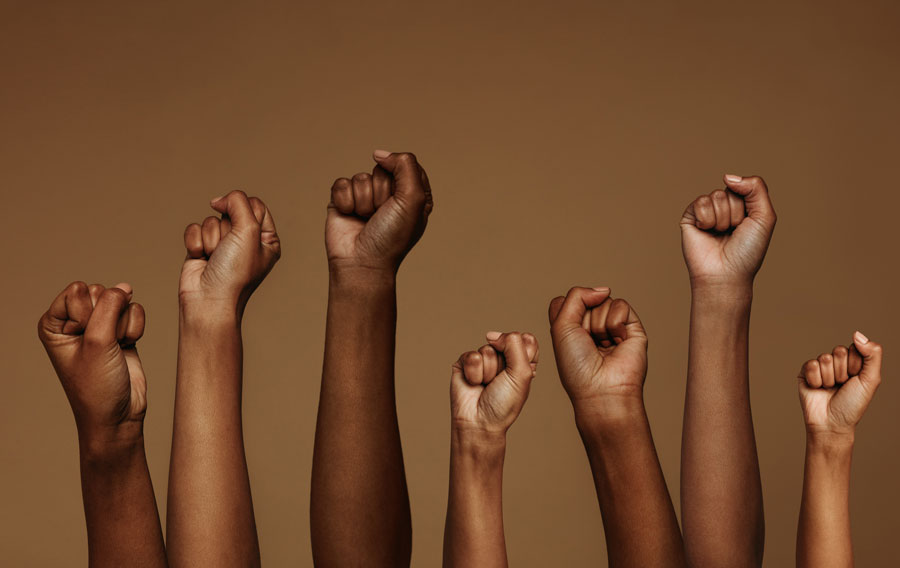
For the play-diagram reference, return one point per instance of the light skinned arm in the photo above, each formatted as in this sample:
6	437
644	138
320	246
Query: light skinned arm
601	353
488	389
90	333
210	517
835	390
725	236
359	504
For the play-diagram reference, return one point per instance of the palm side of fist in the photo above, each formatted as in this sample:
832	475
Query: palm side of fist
836	388
489	386
228	257
89	333
375	219
725	234
600	345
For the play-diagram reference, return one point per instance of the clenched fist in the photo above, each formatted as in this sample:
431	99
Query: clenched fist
488	387
836	387
89	333
600	346
375	219
228	257
724	235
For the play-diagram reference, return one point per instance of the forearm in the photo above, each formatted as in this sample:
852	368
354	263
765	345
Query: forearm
638	517
359	509
823	533
473	535
210	514
120	507
721	496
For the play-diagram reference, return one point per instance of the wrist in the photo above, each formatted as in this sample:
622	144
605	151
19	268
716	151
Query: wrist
609	411
206	312
719	298
481	445
358	275
830	442
108	446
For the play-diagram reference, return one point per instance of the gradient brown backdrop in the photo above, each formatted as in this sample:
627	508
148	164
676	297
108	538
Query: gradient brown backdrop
563	140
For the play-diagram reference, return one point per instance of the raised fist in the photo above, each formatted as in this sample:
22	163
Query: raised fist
488	387
836	387
375	219
89	333
724	235
600	346
228	257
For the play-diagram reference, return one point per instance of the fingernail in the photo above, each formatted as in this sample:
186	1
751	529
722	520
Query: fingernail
214	199
125	287
860	337
733	178
493	335
601	289
381	154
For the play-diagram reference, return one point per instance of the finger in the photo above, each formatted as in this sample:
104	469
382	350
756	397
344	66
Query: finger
617	319
854	361
224	227
101	329
363	194
704	213
870	373
404	168
132	330
577	301
472	367
736	207
810	372
518	364
532	349
426	185
826	370
381	186
193	240
69	312
210	233
722	210
342	196
756	197
556	304
95	290
598	328
237	206
258	208
839	357
490	363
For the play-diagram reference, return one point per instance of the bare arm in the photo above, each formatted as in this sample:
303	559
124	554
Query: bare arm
601	353
210	517
835	390
725	236
359	505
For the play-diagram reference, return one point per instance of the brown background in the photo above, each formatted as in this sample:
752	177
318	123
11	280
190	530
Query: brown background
563	140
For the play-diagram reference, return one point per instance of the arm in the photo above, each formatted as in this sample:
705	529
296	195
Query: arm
488	389
359	506
724	238
835	390
210	516
90	333
601	353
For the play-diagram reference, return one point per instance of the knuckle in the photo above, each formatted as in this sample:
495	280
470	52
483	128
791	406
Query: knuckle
719	195
840	351
407	158
362	177
340	183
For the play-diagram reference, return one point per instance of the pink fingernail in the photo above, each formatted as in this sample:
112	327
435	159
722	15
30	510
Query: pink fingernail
125	287
214	199
860	337
381	154
493	335
601	289
731	178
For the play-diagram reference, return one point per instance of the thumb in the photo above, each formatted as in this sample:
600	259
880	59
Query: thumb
237	206
755	193
409	182
871	359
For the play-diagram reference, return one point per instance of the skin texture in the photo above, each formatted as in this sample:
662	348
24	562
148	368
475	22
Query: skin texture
90	333
835	390
210	518
601	354
724	237
488	389
359	504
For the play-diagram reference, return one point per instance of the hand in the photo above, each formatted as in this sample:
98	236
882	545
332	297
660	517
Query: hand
89	333
600	347
488	387
227	258
836	388
724	235
374	220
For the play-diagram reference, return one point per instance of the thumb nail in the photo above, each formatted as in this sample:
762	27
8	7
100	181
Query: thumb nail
858	336
731	178
493	335
381	154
